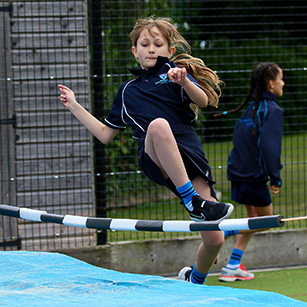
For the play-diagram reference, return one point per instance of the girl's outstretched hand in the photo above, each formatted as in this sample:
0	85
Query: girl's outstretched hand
67	96
177	75
197	95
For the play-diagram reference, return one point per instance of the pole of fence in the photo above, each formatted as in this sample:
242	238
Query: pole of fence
98	107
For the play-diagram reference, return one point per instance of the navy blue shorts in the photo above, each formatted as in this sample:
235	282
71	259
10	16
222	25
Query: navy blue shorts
152	171
253	194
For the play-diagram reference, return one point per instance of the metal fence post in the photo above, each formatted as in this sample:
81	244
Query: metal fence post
98	106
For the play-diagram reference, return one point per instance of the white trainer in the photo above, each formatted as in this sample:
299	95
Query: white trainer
239	273
185	273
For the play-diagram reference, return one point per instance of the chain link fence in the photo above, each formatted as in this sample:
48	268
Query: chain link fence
231	37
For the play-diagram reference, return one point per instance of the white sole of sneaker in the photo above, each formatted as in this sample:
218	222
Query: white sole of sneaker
234	278
228	214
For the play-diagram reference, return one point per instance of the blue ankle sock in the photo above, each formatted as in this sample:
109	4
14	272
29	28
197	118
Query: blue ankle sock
228	233
235	258
187	192
197	277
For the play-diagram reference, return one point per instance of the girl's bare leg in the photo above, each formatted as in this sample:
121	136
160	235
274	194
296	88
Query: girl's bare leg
162	148
244	237
212	240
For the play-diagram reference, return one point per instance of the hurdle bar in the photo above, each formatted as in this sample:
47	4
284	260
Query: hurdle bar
142	225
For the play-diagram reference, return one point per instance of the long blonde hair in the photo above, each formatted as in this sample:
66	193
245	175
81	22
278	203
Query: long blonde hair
204	76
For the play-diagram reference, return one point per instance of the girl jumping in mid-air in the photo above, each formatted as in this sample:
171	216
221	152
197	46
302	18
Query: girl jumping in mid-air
159	104
255	158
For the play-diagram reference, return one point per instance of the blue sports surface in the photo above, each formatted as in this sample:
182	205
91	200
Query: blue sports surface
52	279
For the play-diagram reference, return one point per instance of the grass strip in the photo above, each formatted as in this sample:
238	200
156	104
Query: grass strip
289	282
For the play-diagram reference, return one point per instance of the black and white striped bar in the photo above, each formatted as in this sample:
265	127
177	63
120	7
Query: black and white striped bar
142	225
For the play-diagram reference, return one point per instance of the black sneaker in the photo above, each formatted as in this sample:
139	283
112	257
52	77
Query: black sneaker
185	273
206	210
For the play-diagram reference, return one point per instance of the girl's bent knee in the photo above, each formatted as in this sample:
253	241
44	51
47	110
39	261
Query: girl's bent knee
158	123
159	126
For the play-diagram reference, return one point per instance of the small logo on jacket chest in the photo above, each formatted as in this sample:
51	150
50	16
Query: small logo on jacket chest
163	79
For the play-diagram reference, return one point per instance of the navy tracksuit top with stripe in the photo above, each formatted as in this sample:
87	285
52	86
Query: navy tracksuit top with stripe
150	95
255	156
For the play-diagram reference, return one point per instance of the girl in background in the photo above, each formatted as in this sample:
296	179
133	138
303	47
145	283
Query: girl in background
160	105
255	158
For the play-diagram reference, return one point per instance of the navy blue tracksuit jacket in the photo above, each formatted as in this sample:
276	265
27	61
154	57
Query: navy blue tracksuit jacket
255	156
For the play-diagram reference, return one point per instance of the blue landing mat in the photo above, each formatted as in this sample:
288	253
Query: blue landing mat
51	279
